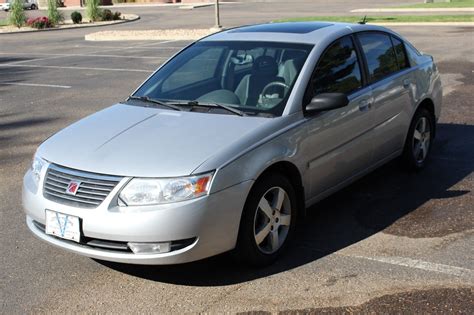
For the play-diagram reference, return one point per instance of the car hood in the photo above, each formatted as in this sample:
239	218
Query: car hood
131	140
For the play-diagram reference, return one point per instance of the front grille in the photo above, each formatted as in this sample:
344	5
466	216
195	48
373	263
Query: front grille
93	188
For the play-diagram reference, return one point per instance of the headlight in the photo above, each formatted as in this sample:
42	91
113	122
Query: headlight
36	168
150	191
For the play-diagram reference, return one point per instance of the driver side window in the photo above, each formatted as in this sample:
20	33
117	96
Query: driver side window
338	69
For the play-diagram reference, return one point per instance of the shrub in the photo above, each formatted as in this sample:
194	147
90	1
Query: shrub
92	10
17	15
76	17
39	22
54	15
117	16
107	15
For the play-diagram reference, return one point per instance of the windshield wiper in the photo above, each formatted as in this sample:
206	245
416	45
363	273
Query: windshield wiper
154	101
228	108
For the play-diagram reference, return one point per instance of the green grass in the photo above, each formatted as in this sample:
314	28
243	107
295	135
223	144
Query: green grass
3	22
386	19
452	4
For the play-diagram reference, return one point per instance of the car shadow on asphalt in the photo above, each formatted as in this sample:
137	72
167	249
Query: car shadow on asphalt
13	73
390	199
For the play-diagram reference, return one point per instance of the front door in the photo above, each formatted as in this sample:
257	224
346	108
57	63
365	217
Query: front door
338	142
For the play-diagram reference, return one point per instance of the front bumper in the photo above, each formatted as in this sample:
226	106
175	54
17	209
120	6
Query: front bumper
212	222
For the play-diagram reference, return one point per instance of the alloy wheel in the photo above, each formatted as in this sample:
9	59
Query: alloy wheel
272	220
421	139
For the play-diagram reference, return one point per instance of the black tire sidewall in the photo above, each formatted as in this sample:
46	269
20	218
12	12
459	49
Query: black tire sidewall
247	249
408	154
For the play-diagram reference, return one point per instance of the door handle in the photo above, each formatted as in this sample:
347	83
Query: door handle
365	105
406	83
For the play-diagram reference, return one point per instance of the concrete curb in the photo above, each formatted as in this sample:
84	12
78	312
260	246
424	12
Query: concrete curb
195	34
132	18
415	10
176	34
195	6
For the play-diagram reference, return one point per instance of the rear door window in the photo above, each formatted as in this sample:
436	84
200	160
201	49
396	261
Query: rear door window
338	69
380	55
400	52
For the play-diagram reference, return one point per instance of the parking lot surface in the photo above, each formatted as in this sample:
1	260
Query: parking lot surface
393	241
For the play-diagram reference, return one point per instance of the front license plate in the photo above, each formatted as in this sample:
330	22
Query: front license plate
63	225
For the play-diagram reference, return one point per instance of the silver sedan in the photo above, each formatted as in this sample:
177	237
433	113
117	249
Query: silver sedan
227	143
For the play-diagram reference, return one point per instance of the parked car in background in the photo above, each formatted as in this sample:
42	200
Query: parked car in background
228	142
27	4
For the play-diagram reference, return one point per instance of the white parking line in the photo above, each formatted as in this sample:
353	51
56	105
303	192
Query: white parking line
34	59
35	84
76	68
73	55
420	264
131	47
135	46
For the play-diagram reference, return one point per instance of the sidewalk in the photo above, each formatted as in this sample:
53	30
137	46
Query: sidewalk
195	34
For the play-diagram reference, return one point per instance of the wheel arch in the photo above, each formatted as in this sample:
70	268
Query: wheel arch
290	171
428	104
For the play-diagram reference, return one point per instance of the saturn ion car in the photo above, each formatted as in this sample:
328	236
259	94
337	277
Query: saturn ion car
227	143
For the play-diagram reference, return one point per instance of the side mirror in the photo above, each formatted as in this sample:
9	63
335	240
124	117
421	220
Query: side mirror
327	101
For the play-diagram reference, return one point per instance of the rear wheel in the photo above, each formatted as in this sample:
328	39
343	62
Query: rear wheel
33	7
419	140
268	221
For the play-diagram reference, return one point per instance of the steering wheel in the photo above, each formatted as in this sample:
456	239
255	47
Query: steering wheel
266	101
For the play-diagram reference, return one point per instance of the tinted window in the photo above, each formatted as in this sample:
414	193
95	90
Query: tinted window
412	54
206	61
338	69
380	55
400	52
288	27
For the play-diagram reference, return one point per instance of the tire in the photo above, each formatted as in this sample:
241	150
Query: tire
33	7
266	226
419	140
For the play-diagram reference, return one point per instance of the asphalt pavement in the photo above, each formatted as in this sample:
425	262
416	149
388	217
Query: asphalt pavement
391	242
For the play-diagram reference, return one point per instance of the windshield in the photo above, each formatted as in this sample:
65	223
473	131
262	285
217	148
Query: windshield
254	77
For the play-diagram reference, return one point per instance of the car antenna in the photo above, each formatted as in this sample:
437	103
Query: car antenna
364	20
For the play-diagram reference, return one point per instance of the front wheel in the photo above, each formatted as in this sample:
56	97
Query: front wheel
419	140
268	221
33	7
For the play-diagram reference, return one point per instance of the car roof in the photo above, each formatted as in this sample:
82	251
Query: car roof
294	32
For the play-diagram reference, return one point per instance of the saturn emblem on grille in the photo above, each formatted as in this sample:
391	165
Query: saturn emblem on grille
73	187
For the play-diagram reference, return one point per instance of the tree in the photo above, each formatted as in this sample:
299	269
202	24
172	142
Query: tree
92	10
54	15
17	15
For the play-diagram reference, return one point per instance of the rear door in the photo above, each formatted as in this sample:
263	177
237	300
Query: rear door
391	80
337	144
